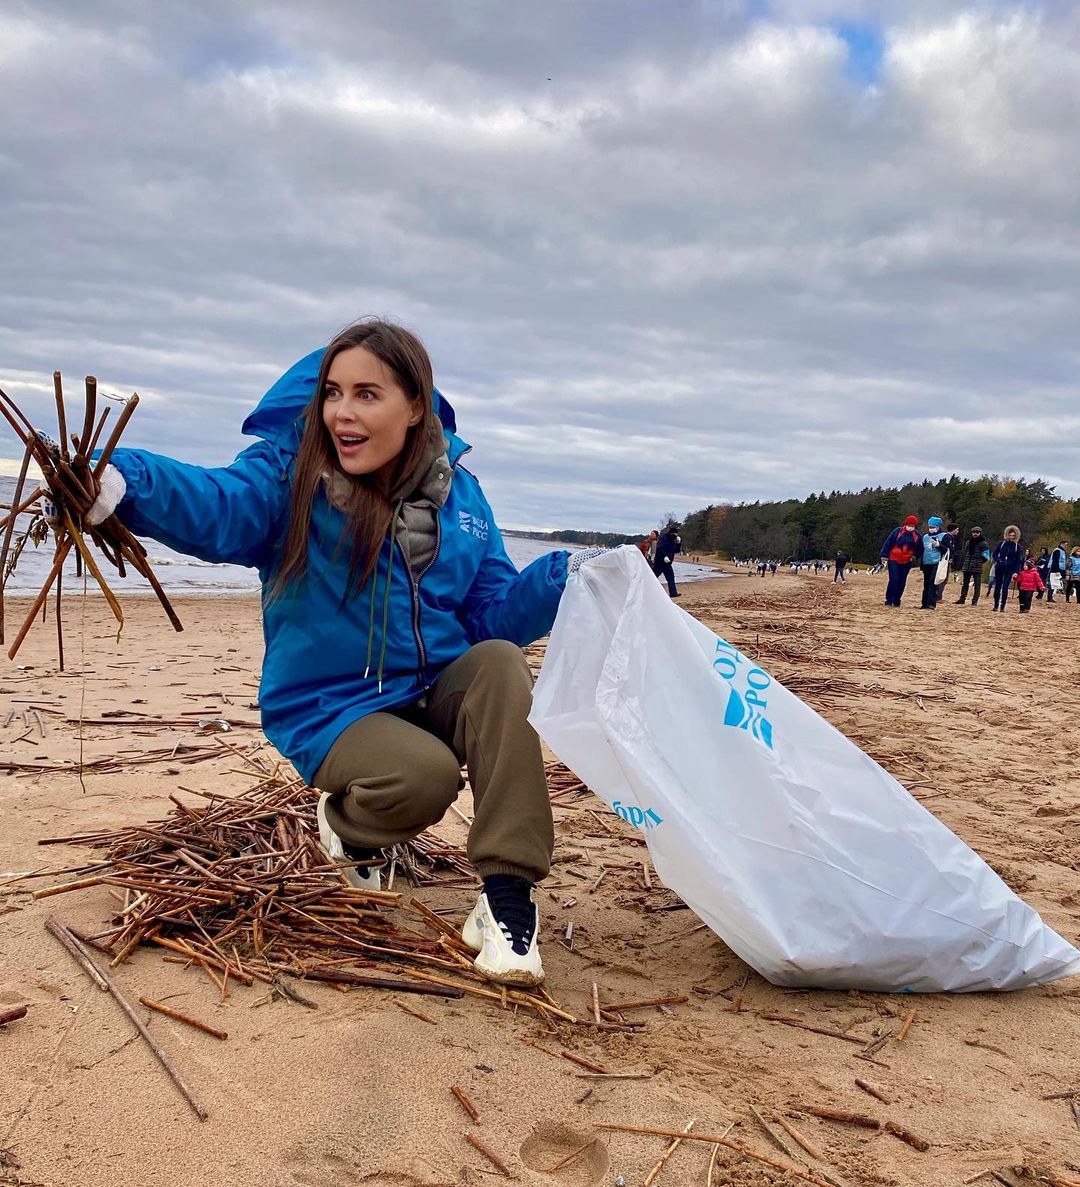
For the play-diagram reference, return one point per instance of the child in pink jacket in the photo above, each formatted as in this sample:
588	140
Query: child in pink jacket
1028	581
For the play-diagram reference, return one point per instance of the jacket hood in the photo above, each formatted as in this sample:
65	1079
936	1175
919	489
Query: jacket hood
280	408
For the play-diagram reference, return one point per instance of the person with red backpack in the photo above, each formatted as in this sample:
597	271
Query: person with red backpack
902	549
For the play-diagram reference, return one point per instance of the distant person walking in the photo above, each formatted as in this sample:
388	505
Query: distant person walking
1057	569
648	547
1072	576
974	554
1029	581
1008	561
841	565
951	547
901	550
668	545
1042	566
934	550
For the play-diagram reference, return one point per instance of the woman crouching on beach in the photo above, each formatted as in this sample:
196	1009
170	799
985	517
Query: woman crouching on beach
393	621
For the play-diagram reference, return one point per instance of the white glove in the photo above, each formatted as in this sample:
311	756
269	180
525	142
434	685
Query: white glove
112	486
579	558
50	443
667	560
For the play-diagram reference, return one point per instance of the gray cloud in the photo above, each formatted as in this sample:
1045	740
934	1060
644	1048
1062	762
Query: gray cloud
661	257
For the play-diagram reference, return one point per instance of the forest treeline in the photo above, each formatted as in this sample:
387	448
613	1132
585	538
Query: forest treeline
858	522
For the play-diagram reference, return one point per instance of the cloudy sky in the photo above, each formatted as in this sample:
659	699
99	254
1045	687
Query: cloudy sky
663	254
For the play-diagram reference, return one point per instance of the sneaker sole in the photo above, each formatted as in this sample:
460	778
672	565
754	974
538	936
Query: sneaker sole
472	936
519	978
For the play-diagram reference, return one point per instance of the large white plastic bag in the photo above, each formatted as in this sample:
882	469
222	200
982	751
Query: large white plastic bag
808	859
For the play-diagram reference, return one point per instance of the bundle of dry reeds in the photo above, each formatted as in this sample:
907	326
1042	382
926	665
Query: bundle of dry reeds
71	479
240	888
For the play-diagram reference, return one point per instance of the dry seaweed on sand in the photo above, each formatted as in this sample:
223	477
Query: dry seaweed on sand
239	888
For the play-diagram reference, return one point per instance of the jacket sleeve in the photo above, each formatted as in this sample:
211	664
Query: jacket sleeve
234	513
505	604
886	548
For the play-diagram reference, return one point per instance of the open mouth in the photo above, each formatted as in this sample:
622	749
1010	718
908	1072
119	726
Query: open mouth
347	442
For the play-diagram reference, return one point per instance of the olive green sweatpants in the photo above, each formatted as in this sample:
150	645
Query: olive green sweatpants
391	775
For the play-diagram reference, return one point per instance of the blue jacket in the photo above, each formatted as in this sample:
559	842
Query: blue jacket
1009	556
329	664
934	546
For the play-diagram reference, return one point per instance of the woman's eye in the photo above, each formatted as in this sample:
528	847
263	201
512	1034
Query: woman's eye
331	393
365	395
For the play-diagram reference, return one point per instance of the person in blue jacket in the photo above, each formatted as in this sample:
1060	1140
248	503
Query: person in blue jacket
1058	563
936	545
1008	560
393	617
902	548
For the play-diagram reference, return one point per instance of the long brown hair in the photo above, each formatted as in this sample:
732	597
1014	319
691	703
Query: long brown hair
370	508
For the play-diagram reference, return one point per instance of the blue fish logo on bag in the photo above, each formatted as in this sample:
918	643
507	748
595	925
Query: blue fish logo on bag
745	717
746	706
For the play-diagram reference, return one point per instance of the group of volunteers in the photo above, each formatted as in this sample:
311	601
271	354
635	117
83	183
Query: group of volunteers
939	549
393	617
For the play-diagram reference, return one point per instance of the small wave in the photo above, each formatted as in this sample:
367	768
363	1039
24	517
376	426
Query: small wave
191	561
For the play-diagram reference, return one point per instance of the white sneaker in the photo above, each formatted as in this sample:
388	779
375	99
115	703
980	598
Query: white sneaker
371	879
500	956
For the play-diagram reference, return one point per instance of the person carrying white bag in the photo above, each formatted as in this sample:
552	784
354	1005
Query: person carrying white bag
807	858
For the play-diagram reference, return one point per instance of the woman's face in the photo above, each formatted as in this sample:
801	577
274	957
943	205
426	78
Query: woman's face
366	412
1010	535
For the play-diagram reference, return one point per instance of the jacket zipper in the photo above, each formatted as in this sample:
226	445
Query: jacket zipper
414	583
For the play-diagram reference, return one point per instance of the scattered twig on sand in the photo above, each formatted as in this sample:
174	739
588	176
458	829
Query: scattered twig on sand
905	1026
417	1013
488	1153
12	1014
720	1140
787	1020
87	963
778	1139
568	1158
866	1122
462	1098
650	1178
874	1092
169	1012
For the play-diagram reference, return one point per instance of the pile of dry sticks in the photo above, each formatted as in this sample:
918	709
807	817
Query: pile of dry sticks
72	482
241	889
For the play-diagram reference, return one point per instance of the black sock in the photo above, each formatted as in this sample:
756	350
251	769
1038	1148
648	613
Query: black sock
356	853
511	903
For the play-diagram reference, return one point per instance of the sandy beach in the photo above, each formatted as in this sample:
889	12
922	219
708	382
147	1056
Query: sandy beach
975	712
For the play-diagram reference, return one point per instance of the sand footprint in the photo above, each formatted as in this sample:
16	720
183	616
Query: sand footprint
321	1168
552	1141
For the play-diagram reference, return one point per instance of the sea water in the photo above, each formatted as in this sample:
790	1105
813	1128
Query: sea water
180	574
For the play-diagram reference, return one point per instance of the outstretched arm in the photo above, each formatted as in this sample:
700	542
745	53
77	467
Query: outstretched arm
232	513
506	604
